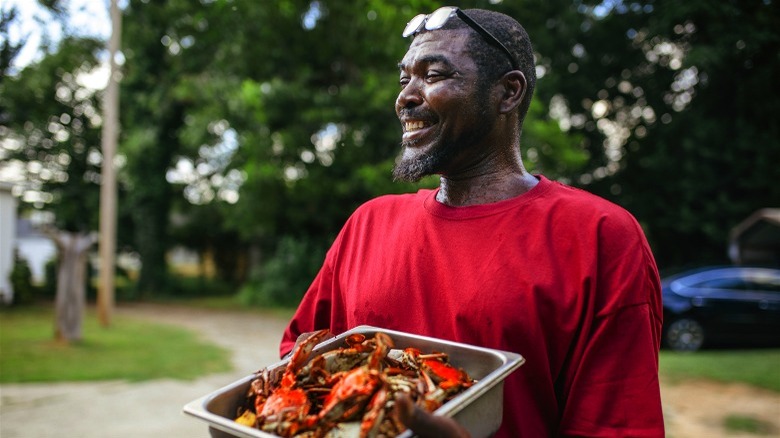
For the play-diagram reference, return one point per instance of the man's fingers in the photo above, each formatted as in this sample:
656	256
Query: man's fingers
425	424
405	408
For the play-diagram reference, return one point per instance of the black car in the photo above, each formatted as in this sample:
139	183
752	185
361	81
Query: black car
721	305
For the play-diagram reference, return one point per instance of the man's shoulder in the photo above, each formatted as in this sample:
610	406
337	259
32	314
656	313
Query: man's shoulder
584	198
582	205
393	201
389	207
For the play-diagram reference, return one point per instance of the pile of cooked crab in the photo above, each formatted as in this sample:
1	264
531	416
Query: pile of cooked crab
352	387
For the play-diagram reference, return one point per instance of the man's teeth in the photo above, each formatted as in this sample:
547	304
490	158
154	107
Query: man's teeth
413	126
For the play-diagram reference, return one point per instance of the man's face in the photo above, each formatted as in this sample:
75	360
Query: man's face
442	106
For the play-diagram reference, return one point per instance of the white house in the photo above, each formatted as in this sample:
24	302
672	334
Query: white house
8	205
35	247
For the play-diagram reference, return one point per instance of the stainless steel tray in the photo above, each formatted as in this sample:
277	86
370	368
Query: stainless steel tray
479	408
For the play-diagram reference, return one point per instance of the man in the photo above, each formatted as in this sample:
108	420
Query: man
495	256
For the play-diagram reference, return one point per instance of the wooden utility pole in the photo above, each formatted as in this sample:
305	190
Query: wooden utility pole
108	192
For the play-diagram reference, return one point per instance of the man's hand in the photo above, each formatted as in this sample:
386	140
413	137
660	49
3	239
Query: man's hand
425	424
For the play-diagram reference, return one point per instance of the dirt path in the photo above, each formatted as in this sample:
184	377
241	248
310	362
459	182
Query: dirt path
699	408
153	409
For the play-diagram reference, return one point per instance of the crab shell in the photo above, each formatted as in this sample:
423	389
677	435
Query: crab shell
284	411
354	390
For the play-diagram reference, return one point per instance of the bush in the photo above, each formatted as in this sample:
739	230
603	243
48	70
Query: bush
49	289
183	286
284	278
21	282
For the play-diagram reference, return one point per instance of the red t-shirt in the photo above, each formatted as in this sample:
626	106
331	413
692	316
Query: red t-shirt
558	275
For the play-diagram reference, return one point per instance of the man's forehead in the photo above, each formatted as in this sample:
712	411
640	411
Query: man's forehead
442	44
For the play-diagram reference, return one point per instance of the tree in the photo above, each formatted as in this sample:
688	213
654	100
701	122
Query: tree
151	116
171	49
675	105
286	123
718	142
8	49
279	128
51	135
70	300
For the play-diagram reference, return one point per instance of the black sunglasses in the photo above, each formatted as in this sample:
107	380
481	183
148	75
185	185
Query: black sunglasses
439	17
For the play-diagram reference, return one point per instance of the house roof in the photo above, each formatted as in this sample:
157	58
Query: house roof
758	233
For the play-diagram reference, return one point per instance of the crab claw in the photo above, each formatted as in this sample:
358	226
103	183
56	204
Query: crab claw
301	354
369	425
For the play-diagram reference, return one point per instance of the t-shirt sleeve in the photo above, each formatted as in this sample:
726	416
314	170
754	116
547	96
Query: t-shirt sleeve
612	382
314	311
616	390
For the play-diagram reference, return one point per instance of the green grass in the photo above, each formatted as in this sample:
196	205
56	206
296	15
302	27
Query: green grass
129	349
759	368
746	424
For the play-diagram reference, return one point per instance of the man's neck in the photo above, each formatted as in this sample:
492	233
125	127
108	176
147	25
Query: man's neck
485	188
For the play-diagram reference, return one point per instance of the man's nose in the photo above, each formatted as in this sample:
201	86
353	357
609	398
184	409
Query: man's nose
410	96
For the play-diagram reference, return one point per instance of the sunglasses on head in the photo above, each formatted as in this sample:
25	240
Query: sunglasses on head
439	17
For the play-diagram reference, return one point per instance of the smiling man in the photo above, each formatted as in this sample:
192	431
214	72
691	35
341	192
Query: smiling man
496	256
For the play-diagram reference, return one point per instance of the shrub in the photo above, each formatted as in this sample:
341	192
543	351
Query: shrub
183	286
21	281
283	279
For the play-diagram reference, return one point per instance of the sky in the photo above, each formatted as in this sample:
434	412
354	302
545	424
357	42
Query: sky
86	17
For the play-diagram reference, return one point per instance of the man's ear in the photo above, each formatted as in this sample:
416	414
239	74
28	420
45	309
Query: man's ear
514	88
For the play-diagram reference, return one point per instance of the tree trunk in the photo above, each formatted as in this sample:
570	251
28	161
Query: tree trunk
71	283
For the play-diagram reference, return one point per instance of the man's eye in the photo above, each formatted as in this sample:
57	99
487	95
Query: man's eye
433	76
403	81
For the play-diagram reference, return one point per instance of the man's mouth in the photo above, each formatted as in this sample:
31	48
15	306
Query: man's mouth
414	130
414	125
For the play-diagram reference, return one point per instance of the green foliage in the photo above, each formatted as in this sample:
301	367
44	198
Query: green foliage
691	83
754	367
130	350
49	288
283	278
547	149
54	120
8	49
152	117
180	286
25	291
199	227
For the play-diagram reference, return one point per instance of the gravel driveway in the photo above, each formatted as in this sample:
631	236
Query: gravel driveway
147	409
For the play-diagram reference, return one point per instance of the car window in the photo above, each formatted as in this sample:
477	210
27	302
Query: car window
735	283
723	283
764	286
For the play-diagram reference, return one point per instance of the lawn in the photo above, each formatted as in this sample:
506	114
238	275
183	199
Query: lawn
757	367
139	350
129	350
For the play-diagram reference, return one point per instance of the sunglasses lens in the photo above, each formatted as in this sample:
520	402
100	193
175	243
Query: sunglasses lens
413	25
439	17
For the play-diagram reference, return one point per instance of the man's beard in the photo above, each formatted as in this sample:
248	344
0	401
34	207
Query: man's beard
415	168
437	160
